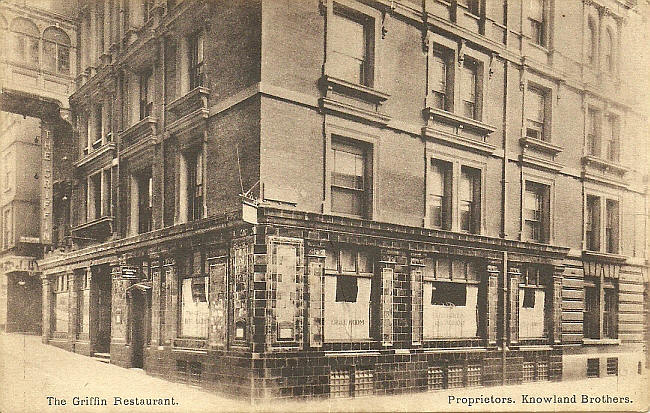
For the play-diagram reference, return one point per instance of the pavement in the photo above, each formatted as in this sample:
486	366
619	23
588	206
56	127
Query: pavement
35	377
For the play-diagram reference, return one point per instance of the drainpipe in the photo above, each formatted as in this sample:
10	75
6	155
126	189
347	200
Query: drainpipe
504	166
504	322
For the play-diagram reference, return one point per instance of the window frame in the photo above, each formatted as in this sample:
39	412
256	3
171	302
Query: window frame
538	125
458	56
444	56
470	68
537	277
196	59
601	288
139	178
594	131
444	169
370	18
549	90
185	188
338	272
541	38
605	198
433	275
60	51
592	222
611	137
94	202
187	271
340	144
345	131
538	184
612	226
26	46
475	190
146	93
458	161
195	163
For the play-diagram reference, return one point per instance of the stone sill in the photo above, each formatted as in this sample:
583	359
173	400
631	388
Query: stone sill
362	92
110	146
601	341
604	256
177	106
460	121
540	145
604	164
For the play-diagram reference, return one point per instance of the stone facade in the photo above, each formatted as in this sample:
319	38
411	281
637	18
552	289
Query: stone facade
261	219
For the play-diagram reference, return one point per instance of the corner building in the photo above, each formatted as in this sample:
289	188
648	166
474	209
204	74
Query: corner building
339	198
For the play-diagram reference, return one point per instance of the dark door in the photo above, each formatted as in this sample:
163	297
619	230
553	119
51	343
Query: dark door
138	333
103	312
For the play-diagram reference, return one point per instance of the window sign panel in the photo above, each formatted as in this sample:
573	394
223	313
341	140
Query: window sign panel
194	307
347	320
241	254
61	312
218	304
531	312
284	261
450	310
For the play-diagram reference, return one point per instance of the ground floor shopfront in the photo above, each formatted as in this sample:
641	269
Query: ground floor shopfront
20	294
301	304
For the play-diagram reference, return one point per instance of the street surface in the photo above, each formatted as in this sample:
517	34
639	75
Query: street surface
31	371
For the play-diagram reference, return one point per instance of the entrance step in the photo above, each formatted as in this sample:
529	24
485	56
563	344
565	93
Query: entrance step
103	357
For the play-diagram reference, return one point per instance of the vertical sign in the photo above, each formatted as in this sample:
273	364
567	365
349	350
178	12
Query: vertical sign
46	187
285	271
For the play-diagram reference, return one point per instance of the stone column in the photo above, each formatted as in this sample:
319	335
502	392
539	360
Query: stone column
93	41
315	325
107	27
47	308
492	302
417	281
556	315
73	309
172	300
93	302
513	304
384	296
155	269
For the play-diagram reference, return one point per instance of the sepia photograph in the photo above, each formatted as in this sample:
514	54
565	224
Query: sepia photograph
324	205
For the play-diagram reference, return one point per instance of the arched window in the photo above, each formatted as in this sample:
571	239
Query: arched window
608	52
591	43
26	38
56	50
